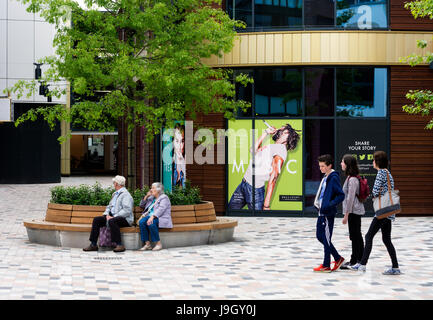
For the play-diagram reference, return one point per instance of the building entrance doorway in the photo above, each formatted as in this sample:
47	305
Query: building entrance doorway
93	154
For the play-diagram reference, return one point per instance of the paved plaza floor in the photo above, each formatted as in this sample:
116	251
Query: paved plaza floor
269	259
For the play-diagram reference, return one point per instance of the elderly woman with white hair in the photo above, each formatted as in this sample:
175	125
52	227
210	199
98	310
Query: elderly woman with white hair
156	214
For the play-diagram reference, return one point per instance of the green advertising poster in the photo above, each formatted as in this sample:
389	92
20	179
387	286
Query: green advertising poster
277	182
239	135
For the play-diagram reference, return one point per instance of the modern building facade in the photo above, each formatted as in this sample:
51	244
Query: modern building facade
34	154
329	69
332	70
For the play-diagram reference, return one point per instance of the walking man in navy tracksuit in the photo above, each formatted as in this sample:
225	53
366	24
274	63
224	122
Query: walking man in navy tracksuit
329	195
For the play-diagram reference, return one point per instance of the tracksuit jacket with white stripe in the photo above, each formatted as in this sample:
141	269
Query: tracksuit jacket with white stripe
332	197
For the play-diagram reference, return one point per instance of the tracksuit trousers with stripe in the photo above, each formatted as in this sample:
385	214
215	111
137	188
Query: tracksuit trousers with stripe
324	228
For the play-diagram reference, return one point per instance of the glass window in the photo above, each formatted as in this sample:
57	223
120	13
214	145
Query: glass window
244	93
380	101
272	14
354	99
319	135
241	10
361	92
278	92
294	14
319	14
319	92
362	14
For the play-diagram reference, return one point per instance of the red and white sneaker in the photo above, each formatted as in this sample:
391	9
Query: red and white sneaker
337	264
321	268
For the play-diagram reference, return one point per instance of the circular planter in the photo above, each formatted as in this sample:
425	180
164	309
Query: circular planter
69	226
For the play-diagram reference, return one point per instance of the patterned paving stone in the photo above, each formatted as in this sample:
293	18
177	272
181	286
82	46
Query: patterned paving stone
270	258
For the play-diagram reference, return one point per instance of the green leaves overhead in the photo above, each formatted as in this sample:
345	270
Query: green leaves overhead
422	100
147	55
420	8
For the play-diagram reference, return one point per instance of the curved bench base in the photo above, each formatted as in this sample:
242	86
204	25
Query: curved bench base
51	235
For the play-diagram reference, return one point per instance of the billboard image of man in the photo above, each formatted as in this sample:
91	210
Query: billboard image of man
269	161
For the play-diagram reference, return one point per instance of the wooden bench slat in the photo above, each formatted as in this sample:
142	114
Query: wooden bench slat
37	224
86	214
182	208
60	213
74	227
130	229
205	212
88	208
81	220
181	214
202	206
206	218
55	218
60	206
183	220
220	223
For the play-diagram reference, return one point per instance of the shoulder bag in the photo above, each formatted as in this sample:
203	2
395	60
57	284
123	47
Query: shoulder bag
387	204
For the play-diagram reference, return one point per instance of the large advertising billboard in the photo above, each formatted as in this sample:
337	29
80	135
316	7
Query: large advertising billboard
362	138
173	155
265	168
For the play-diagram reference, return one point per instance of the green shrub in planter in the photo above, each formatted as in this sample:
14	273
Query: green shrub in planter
82	195
184	196
95	195
138	194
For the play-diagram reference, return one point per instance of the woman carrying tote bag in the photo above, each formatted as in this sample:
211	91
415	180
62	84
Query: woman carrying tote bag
383	179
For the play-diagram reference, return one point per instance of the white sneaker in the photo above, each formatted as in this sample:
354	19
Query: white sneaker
354	267
146	247
362	268
157	247
392	272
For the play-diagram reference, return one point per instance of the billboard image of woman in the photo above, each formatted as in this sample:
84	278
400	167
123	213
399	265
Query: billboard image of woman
179	165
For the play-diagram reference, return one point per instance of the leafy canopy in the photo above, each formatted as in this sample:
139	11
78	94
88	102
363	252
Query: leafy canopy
144	56
422	99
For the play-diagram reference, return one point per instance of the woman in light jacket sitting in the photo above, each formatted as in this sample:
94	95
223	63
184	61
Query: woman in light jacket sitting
156	214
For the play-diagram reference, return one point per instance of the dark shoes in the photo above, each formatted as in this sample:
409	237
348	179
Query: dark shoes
91	248
345	266
119	248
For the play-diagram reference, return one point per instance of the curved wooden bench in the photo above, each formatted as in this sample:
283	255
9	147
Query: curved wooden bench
70	225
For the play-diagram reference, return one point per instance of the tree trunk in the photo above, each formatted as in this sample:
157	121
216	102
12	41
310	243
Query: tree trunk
133	156
130	179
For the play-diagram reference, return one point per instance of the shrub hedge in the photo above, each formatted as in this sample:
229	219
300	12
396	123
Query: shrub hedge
95	195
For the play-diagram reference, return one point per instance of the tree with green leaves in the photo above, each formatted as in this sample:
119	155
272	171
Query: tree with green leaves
422	100
136	60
